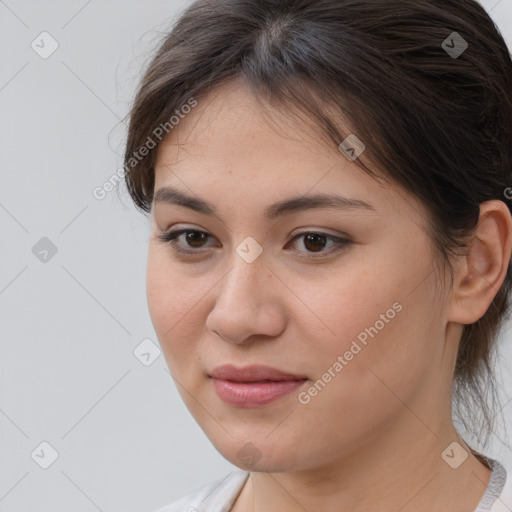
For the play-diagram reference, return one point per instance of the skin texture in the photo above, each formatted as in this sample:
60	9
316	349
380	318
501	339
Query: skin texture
372	438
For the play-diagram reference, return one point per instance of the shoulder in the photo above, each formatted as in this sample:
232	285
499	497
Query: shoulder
216	496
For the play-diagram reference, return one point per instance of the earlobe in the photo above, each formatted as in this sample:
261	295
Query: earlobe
483	269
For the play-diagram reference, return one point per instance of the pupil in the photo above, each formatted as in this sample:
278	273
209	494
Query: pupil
318	242
194	237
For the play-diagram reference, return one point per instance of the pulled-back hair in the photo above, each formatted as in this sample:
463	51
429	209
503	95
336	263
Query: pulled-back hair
435	122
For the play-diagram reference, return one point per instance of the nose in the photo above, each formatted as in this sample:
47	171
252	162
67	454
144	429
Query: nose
248	303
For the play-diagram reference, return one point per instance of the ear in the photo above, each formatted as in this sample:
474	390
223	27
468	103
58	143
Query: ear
482	270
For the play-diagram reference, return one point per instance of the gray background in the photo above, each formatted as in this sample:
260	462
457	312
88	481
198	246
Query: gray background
69	324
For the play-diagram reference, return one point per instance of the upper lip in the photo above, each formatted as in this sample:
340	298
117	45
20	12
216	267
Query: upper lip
252	373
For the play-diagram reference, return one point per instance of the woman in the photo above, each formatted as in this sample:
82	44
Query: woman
330	245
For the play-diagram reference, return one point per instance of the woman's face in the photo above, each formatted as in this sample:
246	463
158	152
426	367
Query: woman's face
361	320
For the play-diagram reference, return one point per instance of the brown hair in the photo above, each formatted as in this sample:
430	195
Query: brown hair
439	124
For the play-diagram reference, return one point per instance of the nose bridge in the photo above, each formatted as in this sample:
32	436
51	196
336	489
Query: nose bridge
247	273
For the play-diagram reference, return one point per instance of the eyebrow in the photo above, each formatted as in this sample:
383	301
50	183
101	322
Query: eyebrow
294	204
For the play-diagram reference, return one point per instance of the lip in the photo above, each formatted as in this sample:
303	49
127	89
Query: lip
252	373
253	386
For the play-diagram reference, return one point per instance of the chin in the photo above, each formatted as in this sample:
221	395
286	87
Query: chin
258	456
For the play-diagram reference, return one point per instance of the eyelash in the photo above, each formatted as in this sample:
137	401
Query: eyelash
170	237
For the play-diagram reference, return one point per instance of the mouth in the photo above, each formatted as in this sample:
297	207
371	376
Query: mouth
253	386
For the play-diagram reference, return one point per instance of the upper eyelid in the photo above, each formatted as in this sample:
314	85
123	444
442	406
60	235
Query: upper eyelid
302	231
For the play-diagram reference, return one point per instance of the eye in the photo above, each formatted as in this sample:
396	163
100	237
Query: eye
315	242
193	240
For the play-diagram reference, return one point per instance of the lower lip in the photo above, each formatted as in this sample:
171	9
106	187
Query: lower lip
254	394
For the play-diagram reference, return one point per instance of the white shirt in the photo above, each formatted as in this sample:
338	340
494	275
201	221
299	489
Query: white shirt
220	495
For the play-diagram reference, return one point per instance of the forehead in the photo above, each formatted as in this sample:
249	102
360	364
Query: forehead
231	118
228	140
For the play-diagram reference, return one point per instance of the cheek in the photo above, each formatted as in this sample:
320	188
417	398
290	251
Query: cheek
348	308
388	345
378	328
174	303
354	396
